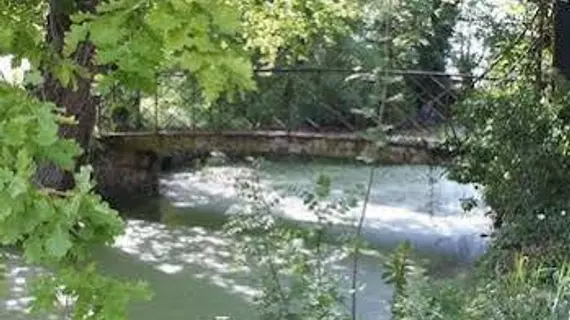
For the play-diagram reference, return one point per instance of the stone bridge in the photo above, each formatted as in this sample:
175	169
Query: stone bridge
130	163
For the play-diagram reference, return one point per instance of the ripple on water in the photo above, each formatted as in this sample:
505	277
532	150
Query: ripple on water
403	205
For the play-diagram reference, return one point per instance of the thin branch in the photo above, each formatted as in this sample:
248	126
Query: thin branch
357	244
53	192
275	278
509	48
272	269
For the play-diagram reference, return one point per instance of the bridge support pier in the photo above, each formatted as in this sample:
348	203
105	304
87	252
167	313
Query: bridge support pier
129	164
126	173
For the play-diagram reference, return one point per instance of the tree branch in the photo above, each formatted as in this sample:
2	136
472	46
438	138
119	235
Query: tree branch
357	243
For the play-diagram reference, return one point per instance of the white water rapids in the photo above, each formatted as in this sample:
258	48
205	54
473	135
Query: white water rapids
402	206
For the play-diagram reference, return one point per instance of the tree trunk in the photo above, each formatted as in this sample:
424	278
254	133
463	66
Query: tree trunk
562	38
79	103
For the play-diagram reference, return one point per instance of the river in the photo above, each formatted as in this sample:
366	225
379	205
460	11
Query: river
175	242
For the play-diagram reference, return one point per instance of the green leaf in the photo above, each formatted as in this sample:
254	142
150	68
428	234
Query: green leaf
24	164
34	250
5	210
323	186
227	20
161	18
43	209
33	78
46	132
18	187
191	62
83	179
62	153
15	131
74	37
64	72
6	176
106	31
58	244
6	37
177	38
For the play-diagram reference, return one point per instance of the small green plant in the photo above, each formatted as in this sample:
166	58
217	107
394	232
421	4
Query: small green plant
292	262
2	274
525	293
396	271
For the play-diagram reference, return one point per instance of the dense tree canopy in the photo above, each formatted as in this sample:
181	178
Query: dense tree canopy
414	35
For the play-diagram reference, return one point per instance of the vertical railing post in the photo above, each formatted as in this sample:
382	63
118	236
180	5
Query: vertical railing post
289	117
98	111
288	98
193	113
156	125
138	120
111	118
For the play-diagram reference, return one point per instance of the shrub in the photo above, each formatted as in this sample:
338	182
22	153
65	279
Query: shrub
525	293
517	149
293	263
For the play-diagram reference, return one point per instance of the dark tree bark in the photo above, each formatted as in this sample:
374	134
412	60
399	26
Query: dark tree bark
562	37
79	103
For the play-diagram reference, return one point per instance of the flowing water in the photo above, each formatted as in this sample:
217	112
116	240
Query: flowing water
174	242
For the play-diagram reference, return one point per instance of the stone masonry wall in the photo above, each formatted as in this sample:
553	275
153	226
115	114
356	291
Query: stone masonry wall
123	173
130	163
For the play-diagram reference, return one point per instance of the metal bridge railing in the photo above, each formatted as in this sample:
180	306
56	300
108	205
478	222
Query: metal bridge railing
309	99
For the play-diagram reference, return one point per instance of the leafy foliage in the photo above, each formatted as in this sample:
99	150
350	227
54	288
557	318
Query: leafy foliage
390	37
54	228
290	29
85	292
218	58
293	264
397	269
524	293
517	150
20	33
141	39
418	31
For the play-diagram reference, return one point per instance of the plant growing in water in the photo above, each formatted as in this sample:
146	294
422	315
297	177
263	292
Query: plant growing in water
293	263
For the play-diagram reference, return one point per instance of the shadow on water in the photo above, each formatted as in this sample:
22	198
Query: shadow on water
192	272
14	295
177	246
188	269
163	211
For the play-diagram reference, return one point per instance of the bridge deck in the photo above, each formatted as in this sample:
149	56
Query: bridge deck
399	148
404	139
